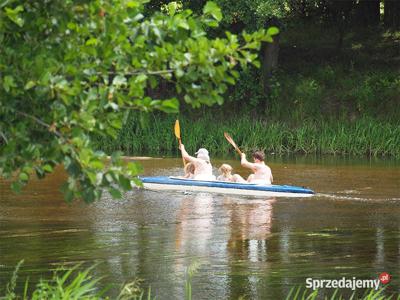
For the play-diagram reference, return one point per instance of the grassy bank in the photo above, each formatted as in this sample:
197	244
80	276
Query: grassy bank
154	135
320	100
74	283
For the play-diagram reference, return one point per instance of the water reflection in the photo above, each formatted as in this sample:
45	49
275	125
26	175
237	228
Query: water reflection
258	248
247	244
250	225
220	232
195	223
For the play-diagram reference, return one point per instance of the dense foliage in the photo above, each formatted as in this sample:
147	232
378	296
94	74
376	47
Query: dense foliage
346	49
71	69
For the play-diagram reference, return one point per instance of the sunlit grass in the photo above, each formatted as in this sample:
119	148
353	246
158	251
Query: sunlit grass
363	137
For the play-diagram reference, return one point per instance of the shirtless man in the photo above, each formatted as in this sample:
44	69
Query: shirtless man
202	165
262	173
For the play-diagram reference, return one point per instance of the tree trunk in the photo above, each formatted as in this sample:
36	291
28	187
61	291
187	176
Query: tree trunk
391	16
270	53
368	12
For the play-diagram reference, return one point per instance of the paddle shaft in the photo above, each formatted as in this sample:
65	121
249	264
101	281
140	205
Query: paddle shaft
232	142
177	130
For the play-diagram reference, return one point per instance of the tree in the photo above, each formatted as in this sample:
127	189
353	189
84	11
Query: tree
70	69
391	17
368	12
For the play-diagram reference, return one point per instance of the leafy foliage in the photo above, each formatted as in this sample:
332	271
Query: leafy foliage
70	69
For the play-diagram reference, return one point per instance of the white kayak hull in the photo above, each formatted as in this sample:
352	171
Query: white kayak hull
163	183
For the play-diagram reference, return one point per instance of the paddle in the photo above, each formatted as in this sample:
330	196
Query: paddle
177	129
230	140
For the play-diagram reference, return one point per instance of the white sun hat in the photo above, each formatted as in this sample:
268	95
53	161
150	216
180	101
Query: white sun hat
202	153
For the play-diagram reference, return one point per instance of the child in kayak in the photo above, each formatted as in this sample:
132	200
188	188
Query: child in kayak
202	165
262	173
226	174
189	171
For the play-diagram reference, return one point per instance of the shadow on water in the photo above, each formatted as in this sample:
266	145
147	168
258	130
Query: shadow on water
254	247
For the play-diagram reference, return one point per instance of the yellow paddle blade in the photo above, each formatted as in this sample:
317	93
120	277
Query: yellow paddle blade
177	129
231	141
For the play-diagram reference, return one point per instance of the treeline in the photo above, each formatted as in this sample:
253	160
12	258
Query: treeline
327	84
331	58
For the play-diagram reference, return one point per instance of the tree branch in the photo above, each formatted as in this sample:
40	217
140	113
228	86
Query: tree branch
37	120
160	72
4	137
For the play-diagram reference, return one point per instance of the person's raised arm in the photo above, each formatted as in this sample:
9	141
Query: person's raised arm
186	155
245	163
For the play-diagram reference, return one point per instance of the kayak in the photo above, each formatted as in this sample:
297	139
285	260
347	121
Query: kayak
165	183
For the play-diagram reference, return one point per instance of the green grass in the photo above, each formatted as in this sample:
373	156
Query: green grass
326	108
75	284
362	137
72	283
300	293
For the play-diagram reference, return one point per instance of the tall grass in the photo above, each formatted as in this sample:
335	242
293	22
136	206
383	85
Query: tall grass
329	108
76	284
303	294
363	137
71	284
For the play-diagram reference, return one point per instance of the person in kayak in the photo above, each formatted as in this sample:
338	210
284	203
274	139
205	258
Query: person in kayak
202	165
226	174
262	173
189	171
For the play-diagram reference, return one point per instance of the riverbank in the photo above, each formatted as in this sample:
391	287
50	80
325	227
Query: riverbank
320	101
78	283
153	133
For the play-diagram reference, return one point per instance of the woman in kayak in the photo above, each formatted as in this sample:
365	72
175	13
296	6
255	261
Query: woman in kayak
226	174
262	173
202	165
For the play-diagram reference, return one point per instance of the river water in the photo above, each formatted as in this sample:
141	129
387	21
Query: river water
258	248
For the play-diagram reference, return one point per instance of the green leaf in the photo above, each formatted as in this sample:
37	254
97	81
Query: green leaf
96	164
256	63
170	106
272	31
138	182
134	168
30	84
172	6
91	42
115	193
13	15
125	183
119	81
48	168
23	176
141	78
8	83
211	8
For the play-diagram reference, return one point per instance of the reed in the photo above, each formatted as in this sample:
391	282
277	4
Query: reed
300	293
363	137
76	284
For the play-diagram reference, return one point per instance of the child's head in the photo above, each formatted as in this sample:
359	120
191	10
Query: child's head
225	169
258	156
189	168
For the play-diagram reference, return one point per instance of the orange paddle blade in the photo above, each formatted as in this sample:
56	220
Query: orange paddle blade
232	142
177	129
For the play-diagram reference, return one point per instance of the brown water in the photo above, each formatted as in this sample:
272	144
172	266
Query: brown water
253	247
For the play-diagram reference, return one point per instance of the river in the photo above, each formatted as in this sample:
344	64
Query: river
258	248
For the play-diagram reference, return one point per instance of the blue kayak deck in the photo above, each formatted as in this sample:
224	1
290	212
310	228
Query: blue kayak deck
164	180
